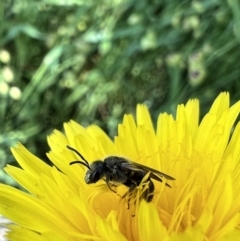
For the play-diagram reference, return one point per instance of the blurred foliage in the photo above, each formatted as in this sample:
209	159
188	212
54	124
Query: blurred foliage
93	61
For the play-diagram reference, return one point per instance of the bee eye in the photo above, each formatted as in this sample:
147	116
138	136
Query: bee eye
93	177
95	173
87	178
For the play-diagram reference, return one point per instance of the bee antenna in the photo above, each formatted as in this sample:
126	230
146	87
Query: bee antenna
85	163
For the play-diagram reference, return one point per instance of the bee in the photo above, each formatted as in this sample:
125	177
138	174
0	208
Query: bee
114	169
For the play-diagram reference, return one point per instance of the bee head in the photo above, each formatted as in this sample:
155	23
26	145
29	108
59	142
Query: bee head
95	172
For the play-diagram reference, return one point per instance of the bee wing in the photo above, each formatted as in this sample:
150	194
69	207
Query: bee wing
153	172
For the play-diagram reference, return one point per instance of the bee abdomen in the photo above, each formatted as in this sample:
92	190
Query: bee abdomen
148	193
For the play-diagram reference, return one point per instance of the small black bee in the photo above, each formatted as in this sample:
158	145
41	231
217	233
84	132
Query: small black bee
120	170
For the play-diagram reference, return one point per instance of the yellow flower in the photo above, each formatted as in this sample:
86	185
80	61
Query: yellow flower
203	203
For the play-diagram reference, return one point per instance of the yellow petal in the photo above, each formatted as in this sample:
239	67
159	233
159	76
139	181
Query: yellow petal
21	207
149	224
30	162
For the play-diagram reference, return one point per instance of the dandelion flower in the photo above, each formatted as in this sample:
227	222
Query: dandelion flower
203	203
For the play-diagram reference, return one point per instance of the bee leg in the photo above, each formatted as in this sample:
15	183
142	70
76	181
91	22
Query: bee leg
128	201
129	193
108	181
111	188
